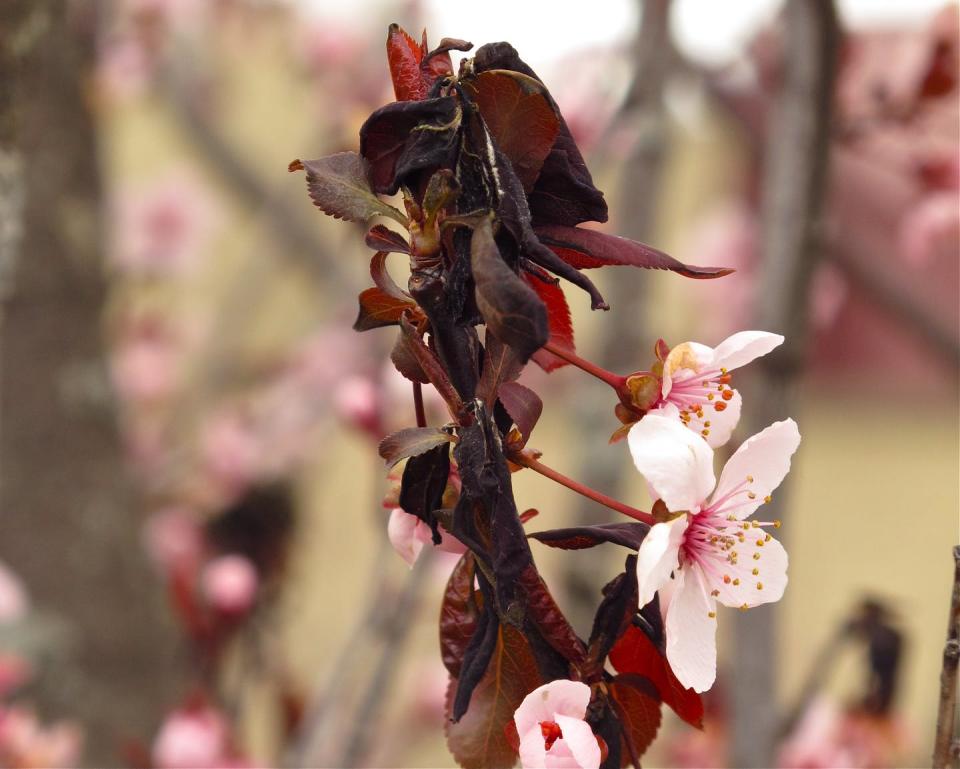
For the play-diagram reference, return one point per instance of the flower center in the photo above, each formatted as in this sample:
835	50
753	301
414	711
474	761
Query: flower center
551	733
695	392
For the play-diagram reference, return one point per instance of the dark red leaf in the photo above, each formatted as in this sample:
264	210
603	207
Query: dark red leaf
383	281
637	707
338	186
477	740
432	368
523	405
510	308
404	56
406	361
377	309
411	442
636	653
583	249
500	364
520	117
558	318
551	622
382	238
629	535
459	611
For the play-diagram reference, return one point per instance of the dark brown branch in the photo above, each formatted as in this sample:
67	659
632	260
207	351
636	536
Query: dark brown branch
944	746
794	186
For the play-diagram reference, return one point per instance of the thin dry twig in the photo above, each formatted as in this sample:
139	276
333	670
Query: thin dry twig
945	742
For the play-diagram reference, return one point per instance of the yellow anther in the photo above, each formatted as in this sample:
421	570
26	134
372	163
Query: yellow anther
749	479
756	556
759	586
707	423
709	396
744	607
751	495
759	543
767	499
766	538
756	572
704	433
746	525
756	525
723	371
736	581
710	614
776	524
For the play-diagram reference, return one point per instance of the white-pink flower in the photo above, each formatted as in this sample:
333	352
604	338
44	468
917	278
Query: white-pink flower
708	548
408	534
696	379
553	732
191	737
230	584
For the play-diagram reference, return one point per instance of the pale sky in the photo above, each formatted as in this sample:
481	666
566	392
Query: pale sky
711	31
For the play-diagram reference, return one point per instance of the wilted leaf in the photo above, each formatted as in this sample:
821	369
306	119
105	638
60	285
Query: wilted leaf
422	485
410	442
338	186
406	361
564	192
477	740
614	614
521	118
387	144
636	653
432	367
500	364
549	619
510	308
581	537
383	281
378	309
558	318
523	405
583	249
381	238
637	707
459	612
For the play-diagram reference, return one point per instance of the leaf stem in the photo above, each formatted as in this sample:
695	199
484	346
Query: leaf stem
596	496
418	405
616	381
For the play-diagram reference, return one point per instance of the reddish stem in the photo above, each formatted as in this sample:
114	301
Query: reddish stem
616	381
596	496
418	405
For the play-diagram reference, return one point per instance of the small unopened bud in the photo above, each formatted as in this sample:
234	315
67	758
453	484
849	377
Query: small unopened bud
230	584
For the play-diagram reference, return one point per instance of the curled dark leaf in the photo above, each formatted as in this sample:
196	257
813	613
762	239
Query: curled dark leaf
378	309
411	442
383	281
459	613
523	405
615	613
431	367
510	308
582	248
628	535
423	483
381	238
338	186
500	364
549	619
406	361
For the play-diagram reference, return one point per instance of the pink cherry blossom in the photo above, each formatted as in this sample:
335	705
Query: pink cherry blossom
408	534
230	584
173	540
358	402
191	737
13	596
145	365
25	742
707	551
696	379
15	671
553	732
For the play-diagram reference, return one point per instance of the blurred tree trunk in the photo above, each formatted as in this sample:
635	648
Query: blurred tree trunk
623	342
69	524
794	192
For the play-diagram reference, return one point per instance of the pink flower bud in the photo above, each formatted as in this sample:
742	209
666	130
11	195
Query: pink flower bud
230	584
190	738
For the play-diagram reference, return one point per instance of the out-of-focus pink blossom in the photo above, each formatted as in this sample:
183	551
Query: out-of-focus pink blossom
173	539
231	451
25	743
553	732
358	402
162	228
191	738
931	228
123	68
230	584
13	596
15	671
145	364
408	534
431	682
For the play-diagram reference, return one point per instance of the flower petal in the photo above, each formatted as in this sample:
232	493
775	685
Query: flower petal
533	751
402	532
691	631
560	697
769	582
719	425
675	462
744	346
764	458
579	738
658	556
